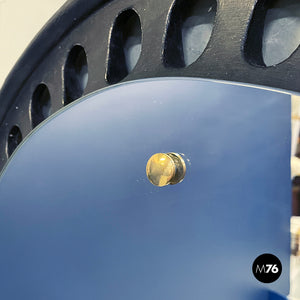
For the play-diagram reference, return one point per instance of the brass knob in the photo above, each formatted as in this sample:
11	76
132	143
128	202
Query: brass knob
165	168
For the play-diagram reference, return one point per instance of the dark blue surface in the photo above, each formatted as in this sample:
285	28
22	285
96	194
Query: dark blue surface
275	296
80	220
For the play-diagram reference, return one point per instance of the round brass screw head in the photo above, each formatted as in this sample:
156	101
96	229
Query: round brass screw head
165	168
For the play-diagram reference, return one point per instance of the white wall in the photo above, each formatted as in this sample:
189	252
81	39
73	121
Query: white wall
20	21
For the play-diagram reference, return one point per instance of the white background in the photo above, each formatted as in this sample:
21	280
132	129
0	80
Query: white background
20	21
